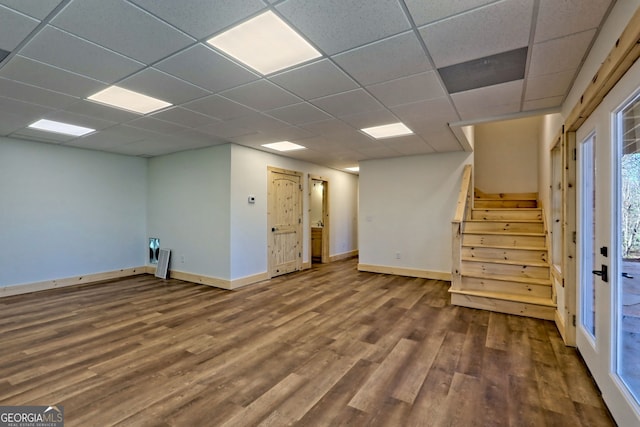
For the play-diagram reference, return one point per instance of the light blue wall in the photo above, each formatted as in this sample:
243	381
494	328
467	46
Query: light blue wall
66	212
188	209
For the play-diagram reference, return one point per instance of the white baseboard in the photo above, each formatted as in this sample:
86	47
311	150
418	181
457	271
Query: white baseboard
70	281
344	255
410	272
213	281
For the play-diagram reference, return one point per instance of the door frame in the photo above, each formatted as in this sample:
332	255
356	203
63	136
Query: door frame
325	258
270	223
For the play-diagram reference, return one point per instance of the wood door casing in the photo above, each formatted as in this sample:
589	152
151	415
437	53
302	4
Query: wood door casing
284	221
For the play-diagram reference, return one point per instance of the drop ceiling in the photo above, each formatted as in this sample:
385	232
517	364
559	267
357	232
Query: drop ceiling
382	61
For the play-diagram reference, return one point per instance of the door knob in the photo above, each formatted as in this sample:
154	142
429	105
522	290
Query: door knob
604	273
274	229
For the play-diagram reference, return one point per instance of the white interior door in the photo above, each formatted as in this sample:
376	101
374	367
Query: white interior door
608	297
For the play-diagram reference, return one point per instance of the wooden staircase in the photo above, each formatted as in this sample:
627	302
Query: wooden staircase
504	258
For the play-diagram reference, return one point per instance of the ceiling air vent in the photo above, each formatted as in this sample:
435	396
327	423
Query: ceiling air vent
488	71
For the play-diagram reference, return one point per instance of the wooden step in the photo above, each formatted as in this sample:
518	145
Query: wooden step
517	254
504	203
476	226
503	240
493	268
505	285
479	194
508	214
539	308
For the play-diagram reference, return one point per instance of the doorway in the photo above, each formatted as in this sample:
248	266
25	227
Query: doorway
284	221
608	291
319	218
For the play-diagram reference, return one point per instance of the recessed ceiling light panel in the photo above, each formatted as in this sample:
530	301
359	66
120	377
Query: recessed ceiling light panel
284	146
125	99
265	43
353	169
388	131
59	127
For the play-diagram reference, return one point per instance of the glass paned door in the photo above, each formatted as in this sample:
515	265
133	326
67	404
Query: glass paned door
628	230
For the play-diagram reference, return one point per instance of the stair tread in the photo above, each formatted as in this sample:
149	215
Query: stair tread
518	221
506	209
504	233
505	278
530	263
489	246
548	302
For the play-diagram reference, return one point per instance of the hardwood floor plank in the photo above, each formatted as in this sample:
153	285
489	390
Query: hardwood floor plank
327	346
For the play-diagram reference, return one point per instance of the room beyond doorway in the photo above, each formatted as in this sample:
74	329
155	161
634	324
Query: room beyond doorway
319	219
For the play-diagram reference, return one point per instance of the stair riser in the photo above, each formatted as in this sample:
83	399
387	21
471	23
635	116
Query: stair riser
500	306
506	227
470	267
520	255
488	204
503	240
508	215
506	287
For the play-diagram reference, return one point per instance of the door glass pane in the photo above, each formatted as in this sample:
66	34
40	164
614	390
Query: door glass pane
588	234
628	283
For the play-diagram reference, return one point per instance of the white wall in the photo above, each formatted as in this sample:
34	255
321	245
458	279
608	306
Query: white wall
406	207
67	212
249	221
188	209
506	156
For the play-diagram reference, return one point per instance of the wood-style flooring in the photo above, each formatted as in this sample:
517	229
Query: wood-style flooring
326	347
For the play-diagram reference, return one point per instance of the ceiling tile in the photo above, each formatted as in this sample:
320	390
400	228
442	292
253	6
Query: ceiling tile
370	118
410	89
17	114
550	85
338	25
38	9
261	95
314	80
539	104
156	125
486	31
424	12
63	50
112	137
93	109
388	59
184	117
218	107
558	55
444	142
14	27
487	102
47	77
34	95
224	130
122	27
408	145
299	113
422	115
257	122
328	127
378	151
560	18
348	103
206	68
201	18
155	83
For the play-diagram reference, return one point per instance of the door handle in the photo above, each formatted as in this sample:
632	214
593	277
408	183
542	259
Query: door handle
274	229
604	273
626	275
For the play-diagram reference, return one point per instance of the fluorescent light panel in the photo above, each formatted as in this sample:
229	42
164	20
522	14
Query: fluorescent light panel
265	43
284	146
59	127
353	169
388	131
125	99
